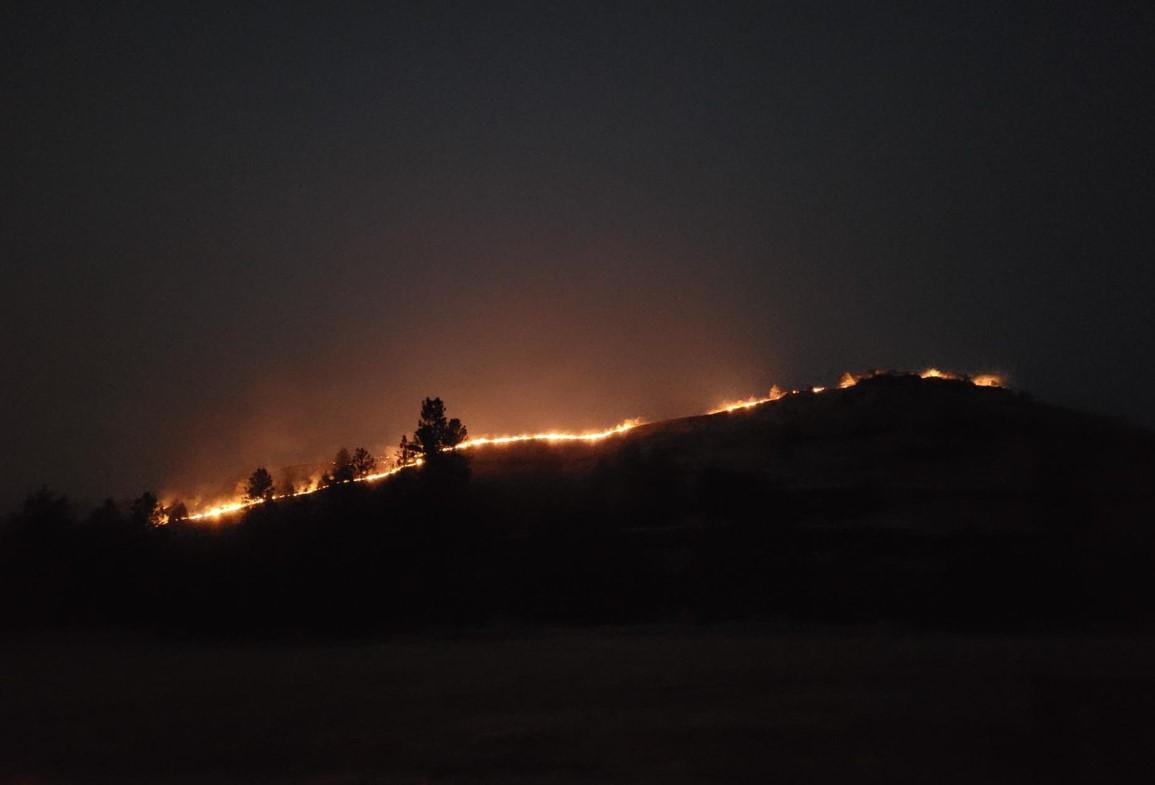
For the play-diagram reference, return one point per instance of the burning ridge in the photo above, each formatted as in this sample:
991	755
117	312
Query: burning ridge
849	379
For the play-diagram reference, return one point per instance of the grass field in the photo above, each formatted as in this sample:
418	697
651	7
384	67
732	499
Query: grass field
665	705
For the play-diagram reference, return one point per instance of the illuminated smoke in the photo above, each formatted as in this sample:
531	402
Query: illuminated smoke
553	437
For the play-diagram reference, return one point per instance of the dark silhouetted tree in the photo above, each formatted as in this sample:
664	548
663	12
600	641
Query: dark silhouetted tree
46	505
176	512
106	517
260	487
363	463
406	451
434	433
286	486
145	510
343	470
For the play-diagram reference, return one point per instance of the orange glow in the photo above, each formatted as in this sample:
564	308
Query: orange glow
935	373
981	380
554	437
215	513
748	403
551	437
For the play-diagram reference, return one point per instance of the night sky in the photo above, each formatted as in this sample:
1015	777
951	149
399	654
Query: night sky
252	235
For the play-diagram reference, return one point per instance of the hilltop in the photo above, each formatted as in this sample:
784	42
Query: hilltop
928	454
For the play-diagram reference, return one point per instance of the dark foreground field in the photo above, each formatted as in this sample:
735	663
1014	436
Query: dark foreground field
663	705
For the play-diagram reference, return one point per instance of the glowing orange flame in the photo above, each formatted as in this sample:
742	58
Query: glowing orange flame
851	379
747	403
236	506
981	380
217	512
935	373
552	437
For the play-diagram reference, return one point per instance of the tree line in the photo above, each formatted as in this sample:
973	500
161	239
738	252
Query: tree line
435	436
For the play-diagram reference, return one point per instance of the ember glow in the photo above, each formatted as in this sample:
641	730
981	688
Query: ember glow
555	437
748	403
981	380
215	513
849	379
552	436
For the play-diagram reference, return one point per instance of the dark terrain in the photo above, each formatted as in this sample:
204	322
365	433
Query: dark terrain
931	502
907	580
681	705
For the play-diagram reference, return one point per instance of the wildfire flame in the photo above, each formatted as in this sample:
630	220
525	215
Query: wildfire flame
221	510
935	373
748	403
849	379
981	380
553	437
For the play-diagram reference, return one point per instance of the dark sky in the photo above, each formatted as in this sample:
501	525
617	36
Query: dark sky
253	234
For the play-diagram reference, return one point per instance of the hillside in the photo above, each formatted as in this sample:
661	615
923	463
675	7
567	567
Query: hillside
893	451
923	500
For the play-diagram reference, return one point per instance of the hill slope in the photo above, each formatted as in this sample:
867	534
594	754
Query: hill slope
930	454
898	498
